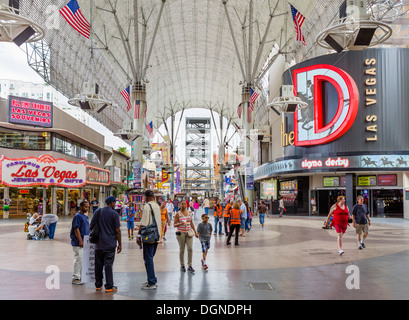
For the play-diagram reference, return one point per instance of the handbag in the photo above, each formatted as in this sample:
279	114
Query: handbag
94	233
150	233
190	233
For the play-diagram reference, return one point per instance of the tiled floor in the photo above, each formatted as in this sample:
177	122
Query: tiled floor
293	258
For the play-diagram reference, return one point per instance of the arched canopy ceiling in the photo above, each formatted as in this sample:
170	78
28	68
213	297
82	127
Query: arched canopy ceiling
192	62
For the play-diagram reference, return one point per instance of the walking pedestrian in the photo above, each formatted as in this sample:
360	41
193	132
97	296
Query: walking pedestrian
281	207
262	211
361	221
183	223
169	208
196	207
218	217
235	223
243	216
313	206
79	229
205	205
149	248
204	230
130	218
247	226
226	216
164	220
95	205
109	240
340	214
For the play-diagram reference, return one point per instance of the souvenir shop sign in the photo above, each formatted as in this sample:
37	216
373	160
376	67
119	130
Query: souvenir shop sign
97	176
30	112
43	171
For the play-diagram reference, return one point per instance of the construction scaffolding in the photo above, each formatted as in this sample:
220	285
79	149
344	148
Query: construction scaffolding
198	163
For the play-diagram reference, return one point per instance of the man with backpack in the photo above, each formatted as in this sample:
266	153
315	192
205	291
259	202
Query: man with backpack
361	221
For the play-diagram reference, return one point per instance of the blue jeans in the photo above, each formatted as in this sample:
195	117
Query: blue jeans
218	221
206	210
149	250
261	217
51	230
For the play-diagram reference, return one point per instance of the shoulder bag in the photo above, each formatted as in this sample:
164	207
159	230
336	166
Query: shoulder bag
150	233
94	233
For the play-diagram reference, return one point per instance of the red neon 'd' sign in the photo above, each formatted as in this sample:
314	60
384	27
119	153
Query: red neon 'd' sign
309	128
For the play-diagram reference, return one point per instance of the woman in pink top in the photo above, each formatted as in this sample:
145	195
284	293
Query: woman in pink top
183	223
196	207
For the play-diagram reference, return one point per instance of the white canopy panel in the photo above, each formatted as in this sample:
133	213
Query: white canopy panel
192	62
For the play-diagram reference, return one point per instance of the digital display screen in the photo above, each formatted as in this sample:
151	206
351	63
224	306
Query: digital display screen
387	180
331	181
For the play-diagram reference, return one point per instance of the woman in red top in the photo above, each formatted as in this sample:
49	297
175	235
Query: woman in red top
340	214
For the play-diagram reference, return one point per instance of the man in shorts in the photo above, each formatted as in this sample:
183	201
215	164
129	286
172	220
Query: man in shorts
361	221
204	229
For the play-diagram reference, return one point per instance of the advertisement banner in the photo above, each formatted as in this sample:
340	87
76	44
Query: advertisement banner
30	112
45	171
250	176
165	176
137	175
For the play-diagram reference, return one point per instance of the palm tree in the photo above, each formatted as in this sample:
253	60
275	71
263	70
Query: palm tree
123	150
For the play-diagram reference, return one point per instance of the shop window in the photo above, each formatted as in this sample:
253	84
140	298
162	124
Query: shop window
24	140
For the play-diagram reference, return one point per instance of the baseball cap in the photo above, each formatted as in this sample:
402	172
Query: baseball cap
110	199
149	193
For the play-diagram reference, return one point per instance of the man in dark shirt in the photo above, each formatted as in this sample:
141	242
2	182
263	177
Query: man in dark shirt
109	235
94	204
360	220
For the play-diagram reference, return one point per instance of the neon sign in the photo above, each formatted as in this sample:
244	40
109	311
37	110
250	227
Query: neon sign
309	126
45	171
30	112
330	163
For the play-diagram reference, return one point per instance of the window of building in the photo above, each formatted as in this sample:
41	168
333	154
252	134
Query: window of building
25	140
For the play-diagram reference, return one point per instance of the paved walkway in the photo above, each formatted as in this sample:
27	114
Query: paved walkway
293	258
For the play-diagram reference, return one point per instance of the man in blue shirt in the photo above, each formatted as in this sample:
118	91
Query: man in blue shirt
361	221
109	236
79	229
130	217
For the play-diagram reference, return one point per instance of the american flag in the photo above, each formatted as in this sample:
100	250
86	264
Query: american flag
72	13
149	127
239	110
137	108
253	97
298	20
127	97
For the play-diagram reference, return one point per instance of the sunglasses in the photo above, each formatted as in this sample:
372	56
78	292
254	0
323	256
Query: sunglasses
205	217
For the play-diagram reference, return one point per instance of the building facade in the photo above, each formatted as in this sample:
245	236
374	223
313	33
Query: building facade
49	160
351	140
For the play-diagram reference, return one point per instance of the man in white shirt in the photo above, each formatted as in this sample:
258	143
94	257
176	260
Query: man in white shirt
206	205
243	217
149	249
169	207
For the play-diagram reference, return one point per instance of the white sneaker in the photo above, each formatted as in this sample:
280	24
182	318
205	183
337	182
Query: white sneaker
340	252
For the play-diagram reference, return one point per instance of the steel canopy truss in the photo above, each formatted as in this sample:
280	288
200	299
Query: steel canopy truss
187	57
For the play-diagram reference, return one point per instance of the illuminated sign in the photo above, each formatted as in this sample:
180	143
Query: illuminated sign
97	176
30	112
365	181
331	182
43	171
330	164
387	180
309	126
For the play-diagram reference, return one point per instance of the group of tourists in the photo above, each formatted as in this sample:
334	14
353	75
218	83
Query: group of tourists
341	218
236	217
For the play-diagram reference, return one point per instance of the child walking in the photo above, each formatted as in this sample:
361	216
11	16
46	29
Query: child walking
204	229
130	217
